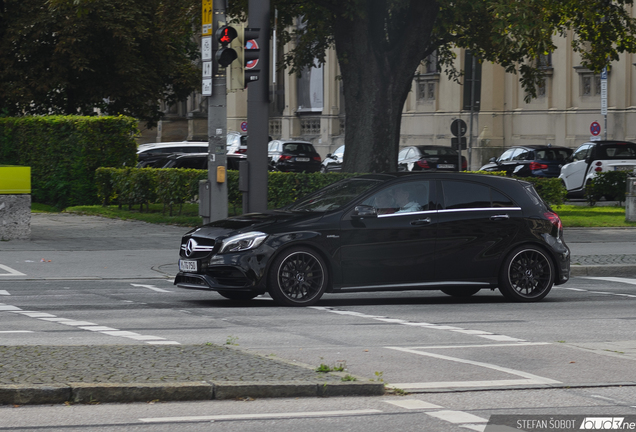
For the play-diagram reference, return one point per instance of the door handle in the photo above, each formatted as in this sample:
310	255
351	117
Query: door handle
418	222
499	217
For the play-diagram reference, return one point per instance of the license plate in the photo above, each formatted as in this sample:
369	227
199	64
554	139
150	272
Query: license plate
624	168
187	265
447	166
301	159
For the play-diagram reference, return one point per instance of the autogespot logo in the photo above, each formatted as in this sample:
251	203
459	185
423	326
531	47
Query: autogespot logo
606	423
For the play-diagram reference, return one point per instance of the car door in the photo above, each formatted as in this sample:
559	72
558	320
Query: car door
391	250
573	174
476	225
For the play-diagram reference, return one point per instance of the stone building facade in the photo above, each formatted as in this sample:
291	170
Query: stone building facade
310	106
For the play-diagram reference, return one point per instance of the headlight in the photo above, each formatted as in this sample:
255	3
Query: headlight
242	242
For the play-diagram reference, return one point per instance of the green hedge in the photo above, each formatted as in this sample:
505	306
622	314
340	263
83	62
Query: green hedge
174	187
64	152
610	184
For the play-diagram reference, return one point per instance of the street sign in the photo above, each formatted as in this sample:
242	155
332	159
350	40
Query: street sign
206	18
595	128
457	141
458	127
206	48
251	44
206	87
244	126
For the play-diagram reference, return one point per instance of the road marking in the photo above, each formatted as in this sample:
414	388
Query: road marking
10	271
613	279
260	416
529	379
477	333
457	417
16	331
4	292
6	307
413	404
482	345
152	287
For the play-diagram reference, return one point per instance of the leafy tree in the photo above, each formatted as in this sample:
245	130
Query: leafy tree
380	44
71	56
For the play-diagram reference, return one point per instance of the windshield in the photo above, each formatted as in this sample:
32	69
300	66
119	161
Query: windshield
334	196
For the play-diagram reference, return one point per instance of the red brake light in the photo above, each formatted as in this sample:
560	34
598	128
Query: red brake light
555	219
317	158
423	164
284	157
464	164
537	166
599	163
242	151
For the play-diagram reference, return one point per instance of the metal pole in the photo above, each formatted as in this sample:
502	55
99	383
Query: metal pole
217	130
472	111
258	112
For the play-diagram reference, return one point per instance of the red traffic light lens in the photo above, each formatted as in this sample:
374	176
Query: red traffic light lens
226	34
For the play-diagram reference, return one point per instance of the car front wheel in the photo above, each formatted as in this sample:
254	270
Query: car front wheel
298	277
527	275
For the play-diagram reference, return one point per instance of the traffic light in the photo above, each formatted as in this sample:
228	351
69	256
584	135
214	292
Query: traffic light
244	71
225	35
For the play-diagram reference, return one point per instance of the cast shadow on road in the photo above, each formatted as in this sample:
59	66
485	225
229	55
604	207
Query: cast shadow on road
365	299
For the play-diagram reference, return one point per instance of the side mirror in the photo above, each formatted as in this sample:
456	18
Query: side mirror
492	160
329	155
364	211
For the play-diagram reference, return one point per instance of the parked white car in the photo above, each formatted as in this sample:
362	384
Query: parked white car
595	157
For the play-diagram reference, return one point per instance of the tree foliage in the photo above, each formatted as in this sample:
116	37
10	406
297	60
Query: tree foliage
71	56
380	44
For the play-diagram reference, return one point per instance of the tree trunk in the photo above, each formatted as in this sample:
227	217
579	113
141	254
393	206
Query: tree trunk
378	60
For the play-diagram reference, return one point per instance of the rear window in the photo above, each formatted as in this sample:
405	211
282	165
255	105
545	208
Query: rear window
296	148
617	151
437	151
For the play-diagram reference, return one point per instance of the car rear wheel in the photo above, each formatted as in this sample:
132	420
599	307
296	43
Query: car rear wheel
527	275
238	295
460	292
298	277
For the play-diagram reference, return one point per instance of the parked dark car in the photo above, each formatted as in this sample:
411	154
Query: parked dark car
333	161
458	233
293	156
530	161
190	161
162	149
430	158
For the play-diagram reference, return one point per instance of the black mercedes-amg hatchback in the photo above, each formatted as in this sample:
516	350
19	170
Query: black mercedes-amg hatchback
454	232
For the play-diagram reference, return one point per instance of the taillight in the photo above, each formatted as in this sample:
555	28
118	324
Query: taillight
464	164
242	151
599	166
555	220
284	157
537	166
317	158
423	164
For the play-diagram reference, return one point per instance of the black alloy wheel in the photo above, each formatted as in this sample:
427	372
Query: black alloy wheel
298	277
461	292
238	295
527	275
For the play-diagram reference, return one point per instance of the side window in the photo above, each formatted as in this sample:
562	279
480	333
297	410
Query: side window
500	200
581	153
522	155
402	198
506	155
465	195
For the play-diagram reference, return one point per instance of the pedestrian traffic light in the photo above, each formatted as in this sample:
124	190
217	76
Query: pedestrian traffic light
243	71
225	35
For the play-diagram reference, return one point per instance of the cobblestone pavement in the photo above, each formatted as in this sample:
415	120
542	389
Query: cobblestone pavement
128	373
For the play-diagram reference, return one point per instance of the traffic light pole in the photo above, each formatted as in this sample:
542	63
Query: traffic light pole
217	133
255	200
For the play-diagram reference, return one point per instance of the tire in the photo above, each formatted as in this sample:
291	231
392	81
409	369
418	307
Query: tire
461	292
238	295
297	277
527	275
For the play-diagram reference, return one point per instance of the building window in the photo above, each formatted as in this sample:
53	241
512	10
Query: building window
310	126
427	79
590	83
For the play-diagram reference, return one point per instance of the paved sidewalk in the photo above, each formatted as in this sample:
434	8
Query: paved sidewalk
66	246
